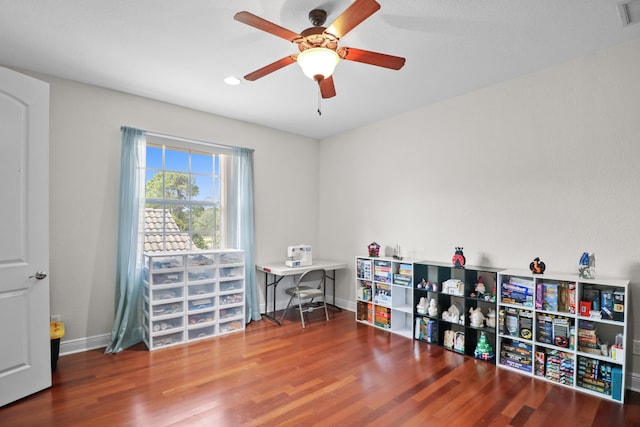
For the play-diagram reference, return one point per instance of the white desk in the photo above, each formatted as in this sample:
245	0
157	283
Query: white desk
278	270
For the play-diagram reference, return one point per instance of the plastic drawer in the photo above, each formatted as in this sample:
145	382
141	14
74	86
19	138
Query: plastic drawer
231	258
167	324
167	278
167	340
165	309
228	313
231	326
204	289
201	303
166	294
229	299
231	272
200	318
200	333
230	286
165	262
200	259
199	274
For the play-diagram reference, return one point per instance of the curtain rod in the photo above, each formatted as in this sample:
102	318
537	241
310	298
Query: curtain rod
189	140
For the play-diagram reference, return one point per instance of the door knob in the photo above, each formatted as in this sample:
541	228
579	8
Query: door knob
39	275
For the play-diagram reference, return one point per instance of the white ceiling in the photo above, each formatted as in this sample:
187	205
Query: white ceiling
180	51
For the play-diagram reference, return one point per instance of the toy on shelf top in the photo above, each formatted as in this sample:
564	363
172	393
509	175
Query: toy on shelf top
374	249
587	266
397	253
537	266
458	259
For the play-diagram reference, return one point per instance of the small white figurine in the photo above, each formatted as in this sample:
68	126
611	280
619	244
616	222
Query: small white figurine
476	318
422	306
433	308
491	318
452	314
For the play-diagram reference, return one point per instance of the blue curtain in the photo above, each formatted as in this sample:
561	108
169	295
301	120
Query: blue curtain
127	327
241	222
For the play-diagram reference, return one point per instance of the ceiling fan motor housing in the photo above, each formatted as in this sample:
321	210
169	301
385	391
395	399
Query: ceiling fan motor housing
317	17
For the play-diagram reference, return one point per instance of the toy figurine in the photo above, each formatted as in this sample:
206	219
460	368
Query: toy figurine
433	308
421	308
479	289
374	249
397	253
476	318
458	259
587	266
537	266
491	318
483	349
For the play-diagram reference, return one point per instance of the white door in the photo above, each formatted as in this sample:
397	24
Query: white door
25	365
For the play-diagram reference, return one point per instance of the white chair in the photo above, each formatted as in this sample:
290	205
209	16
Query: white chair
309	286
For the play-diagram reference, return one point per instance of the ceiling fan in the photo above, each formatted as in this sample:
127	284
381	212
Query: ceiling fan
319	51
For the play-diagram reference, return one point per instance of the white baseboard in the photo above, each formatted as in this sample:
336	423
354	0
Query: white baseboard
634	383
84	344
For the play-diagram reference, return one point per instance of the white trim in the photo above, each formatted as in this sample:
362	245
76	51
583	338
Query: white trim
84	344
634	383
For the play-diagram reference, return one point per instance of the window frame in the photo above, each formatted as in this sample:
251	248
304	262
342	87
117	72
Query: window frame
199	147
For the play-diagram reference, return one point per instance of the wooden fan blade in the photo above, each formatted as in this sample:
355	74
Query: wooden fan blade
264	25
352	17
327	89
372	58
268	69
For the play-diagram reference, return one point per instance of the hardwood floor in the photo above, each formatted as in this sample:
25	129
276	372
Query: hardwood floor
336	373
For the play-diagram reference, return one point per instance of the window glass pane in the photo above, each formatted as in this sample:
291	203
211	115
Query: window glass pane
205	241
203	218
202	188
154	184
154	157
179	219
183	199
216	190
176	159
216	166
176	185
202	163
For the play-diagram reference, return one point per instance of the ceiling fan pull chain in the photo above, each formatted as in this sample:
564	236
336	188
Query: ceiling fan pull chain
319	101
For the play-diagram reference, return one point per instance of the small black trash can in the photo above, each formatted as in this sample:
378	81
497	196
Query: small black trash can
55	352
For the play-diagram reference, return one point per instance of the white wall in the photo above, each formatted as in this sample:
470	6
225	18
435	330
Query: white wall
544	165
84	177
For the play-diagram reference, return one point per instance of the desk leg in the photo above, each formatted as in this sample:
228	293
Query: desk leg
266	297
333	280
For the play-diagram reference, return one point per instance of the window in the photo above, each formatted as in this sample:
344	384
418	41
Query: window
184	206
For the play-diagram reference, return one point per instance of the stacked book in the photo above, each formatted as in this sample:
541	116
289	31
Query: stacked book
383	317
559	367
382	271
594	375
515	354
588	338
404	274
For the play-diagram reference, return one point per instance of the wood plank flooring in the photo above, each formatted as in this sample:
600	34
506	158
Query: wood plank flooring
336	373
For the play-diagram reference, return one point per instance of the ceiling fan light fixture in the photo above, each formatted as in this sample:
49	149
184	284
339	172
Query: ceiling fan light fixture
318	63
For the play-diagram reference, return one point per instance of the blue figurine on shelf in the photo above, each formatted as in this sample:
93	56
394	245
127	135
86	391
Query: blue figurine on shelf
587	266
